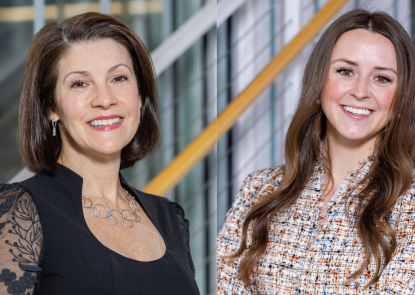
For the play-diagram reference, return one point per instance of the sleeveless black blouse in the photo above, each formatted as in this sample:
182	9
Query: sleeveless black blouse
46	246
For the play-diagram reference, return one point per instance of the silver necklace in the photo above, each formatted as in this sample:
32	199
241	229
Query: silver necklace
128	220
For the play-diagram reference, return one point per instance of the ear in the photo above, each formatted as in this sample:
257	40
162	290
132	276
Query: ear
140	101
53	116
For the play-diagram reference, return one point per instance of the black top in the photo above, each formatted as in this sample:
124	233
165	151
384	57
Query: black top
45	241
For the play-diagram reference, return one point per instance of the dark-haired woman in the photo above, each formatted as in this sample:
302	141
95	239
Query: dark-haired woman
339	216
88	109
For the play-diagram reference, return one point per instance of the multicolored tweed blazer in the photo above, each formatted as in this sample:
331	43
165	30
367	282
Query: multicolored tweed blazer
312	250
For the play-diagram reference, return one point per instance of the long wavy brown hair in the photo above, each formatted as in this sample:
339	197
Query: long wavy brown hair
391	173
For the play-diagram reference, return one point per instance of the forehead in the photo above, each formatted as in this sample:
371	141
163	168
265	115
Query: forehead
365	47
90	55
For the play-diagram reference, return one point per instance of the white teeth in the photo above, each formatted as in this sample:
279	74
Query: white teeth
355	111
97	123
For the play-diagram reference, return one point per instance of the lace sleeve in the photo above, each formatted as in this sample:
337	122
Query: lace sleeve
21	241
184	225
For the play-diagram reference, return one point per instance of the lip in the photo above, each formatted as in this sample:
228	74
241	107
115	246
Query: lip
107	117
356	107
357	117
107	128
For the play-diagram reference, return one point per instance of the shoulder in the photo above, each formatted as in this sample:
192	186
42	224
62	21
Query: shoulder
265	177
259	184
163	207
409	196
255	187
10	189
9	194
161	204
22	239
14	198
404	208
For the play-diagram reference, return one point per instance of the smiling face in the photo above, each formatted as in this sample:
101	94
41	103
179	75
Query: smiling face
97	99
360	86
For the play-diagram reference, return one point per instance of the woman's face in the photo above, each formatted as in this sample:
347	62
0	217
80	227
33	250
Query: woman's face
360	87
97	99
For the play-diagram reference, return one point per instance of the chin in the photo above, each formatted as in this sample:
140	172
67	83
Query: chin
356	137
109	149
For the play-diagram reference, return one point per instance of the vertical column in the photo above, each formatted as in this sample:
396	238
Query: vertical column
39	15
292	74
405	14
105	6
166	92
224	154
395	9
273	85
242	73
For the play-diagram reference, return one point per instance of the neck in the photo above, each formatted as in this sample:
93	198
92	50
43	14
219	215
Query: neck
101	180
346	154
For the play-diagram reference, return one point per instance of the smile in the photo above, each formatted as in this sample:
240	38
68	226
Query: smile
354	111
100	123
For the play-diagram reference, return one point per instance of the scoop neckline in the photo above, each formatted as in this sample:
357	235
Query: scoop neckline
90	233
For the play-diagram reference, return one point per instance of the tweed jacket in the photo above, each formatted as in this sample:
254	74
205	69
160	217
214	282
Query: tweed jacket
311	249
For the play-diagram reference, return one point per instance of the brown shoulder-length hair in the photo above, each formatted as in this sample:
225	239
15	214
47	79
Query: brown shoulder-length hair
38	148
390	175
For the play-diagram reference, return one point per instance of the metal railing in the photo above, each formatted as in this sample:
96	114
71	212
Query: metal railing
204	142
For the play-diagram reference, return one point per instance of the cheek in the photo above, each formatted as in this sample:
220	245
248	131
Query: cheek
132	100
335	89
385	99
71	108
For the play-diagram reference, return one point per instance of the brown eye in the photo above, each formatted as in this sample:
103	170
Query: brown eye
78	84
382	79
345	72
120	78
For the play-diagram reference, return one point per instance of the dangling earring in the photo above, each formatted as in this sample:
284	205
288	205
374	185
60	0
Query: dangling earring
318	101
54	123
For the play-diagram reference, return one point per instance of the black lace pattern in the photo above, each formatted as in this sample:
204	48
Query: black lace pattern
21	233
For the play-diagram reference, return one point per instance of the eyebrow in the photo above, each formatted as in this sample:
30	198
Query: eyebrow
356	64
116	66
385	69
85	73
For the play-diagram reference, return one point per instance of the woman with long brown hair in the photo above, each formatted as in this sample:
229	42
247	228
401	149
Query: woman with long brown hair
338	217
88	109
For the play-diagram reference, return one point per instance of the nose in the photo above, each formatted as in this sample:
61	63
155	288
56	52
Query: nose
360	89
104	98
